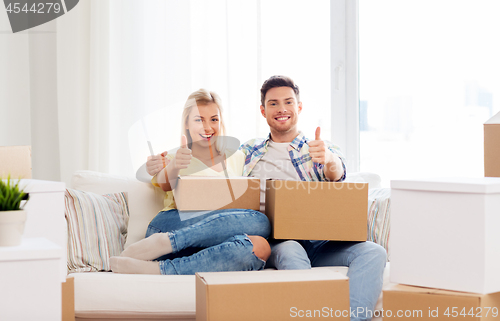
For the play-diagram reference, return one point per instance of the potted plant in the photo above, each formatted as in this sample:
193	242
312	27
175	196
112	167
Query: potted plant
12	215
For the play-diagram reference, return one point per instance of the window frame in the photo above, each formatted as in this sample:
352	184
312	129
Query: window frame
344	66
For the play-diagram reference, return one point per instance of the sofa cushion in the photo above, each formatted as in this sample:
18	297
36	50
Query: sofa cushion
105	295
97	229
134	296
145	200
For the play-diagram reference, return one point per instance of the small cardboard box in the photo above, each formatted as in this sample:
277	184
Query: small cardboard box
15	161
492	147
272	295
68	300
416	303
301	210
200	193
444	233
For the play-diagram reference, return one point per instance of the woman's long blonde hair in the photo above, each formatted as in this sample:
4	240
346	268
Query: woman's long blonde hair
199	98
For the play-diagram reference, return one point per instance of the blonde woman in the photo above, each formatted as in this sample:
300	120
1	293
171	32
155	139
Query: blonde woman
221	240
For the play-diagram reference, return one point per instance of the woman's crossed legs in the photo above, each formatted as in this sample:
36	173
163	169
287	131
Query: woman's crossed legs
232	240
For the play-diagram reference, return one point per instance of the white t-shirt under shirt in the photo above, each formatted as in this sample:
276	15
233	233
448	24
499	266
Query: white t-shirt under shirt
274	164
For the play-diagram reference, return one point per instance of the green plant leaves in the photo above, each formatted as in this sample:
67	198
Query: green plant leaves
11	195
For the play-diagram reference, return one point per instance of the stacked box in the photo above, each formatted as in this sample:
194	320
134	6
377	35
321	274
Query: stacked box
444	239
442	230
492	147
417	303
15	161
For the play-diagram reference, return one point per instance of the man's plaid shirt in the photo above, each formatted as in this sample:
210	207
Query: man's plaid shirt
298	150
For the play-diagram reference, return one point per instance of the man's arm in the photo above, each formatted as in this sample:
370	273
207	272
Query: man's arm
333	169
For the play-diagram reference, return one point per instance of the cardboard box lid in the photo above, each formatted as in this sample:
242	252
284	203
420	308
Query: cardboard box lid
214	278
476	185
41	186
494	120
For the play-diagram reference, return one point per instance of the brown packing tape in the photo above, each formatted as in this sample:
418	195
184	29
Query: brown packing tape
15	161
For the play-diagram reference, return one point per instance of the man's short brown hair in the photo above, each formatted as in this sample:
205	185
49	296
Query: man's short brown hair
278	81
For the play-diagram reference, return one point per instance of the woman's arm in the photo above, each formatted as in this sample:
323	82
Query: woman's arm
163	177
167	177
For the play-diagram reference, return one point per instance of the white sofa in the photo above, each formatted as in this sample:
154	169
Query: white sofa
106	295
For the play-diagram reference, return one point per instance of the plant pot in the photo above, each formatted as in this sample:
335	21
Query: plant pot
12	227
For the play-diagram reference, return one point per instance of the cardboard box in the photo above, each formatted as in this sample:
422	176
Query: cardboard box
15	161
444	233
317	210
492	147
199	193
416	303
68	299
272	295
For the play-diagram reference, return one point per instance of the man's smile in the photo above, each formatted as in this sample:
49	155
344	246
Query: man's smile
282	119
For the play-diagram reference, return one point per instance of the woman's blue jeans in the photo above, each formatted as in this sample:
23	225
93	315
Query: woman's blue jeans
211	242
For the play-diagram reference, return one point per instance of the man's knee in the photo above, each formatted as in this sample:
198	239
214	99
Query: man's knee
261	247
375	252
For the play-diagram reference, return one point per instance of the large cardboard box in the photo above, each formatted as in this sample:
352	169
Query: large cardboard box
317	210
492	147
15	161
444	233
417	303
272	295
199	193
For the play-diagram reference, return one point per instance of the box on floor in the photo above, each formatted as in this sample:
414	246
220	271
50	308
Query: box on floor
444	233
333	211
417	303
272	295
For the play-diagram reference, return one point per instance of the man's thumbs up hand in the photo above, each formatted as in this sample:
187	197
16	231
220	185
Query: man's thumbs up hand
318	150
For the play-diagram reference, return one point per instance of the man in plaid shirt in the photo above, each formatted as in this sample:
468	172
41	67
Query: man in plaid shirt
287	154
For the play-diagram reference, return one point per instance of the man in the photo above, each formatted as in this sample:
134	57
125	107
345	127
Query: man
287	154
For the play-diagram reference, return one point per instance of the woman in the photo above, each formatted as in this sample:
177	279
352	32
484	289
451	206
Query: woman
221	240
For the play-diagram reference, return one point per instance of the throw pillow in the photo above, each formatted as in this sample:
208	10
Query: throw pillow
97	229
379	217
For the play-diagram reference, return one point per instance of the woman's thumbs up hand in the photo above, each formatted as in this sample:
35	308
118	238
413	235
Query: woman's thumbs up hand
183	155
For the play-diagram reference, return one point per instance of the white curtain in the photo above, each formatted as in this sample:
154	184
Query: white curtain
120	62
91	87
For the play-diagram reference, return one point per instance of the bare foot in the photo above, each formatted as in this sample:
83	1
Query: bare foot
129	265
149	248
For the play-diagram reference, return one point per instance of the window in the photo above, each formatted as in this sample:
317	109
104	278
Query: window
429	79
230	47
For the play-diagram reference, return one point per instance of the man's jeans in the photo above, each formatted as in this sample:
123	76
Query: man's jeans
366	262
212	242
